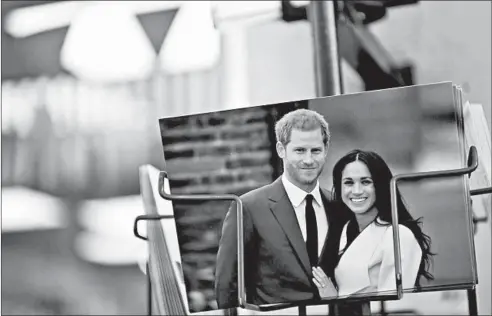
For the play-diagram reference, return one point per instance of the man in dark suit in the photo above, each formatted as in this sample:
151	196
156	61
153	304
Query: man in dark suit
287	224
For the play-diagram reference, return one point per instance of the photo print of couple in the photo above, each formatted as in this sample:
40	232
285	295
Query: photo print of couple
314	180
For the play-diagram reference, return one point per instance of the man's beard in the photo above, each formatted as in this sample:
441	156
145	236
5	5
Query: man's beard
296	173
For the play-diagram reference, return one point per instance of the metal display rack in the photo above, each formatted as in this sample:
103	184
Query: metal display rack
242	299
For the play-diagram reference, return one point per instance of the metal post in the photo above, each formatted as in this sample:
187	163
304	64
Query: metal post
366	308
323	18
149	290
472	302
302	310
327	70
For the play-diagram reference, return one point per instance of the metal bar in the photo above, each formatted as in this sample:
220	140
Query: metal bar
147	217
482	219
366	308
230	312
472	166
149	290
481	191
323	18
383	309
302	310
472	302
240	233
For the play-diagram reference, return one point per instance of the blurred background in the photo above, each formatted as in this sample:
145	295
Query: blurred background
85	83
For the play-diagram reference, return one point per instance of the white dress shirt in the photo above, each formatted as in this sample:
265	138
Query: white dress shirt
297	198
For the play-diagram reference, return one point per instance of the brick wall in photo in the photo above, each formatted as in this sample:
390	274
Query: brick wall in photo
214	153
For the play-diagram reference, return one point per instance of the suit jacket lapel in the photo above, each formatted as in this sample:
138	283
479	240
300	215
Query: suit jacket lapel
284	213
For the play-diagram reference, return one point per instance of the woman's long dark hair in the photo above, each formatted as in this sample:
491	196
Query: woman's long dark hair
381	176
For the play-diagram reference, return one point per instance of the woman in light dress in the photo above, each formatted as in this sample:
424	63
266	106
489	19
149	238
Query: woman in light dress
365	262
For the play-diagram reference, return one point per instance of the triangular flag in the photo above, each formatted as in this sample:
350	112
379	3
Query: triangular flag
156	25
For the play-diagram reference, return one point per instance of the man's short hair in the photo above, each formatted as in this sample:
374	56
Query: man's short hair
304	120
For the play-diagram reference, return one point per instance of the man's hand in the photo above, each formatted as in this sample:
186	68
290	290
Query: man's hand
325	285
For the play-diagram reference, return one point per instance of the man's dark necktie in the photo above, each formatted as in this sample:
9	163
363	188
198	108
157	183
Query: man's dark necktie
311	231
